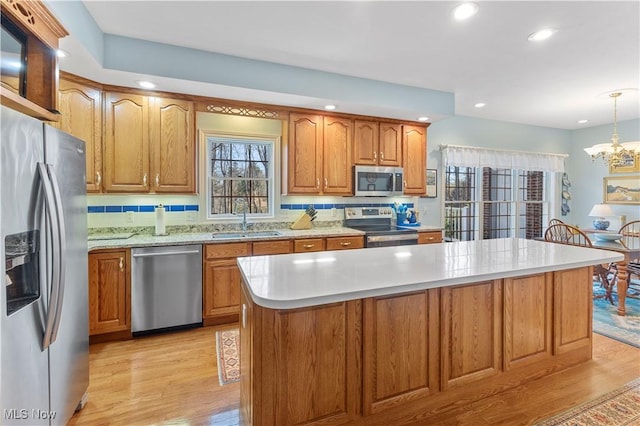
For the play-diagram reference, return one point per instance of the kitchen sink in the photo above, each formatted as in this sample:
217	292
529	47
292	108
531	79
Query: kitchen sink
248	234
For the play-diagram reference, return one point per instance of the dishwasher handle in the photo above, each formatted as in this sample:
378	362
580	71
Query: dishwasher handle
165	253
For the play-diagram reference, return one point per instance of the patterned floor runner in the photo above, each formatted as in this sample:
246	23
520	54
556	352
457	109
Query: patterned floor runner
228	361
620	407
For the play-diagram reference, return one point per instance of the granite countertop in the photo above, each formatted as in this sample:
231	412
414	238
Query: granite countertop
291	281
123	240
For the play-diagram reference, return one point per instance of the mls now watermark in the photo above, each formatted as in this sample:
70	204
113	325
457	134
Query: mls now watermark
24	414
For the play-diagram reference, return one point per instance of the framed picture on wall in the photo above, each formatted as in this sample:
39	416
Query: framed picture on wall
630	164
621	189
432	183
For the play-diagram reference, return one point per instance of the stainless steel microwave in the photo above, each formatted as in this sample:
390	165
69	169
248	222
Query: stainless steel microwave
371	181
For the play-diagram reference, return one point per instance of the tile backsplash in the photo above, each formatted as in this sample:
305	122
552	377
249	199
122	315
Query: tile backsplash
115	211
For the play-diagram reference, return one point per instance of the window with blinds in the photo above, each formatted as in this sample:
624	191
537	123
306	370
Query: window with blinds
240	176
492	203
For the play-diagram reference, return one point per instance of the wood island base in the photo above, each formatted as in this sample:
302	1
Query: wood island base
401	358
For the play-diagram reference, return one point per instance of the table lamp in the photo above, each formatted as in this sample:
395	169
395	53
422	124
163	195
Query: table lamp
599	211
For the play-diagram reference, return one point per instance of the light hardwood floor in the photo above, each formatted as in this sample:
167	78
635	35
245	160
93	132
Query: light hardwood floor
173	379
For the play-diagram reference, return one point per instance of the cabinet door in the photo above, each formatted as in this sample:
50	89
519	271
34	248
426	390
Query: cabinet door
338	133
304	154
221	293
390	146
80	109
109	292
415	160
126	162
172	146
365	142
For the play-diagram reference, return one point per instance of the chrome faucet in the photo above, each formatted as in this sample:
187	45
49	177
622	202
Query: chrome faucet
244	213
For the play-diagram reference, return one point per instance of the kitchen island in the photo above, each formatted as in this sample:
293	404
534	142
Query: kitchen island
392	335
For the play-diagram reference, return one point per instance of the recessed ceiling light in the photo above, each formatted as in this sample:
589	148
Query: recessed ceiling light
542	34
465	11
425	118
330	107
479	105
582	121
147	84
61	53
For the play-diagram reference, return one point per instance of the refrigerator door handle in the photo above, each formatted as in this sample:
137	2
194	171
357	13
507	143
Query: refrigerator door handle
55	275
61	253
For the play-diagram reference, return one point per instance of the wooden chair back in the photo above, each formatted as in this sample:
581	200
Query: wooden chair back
567	234
555	221
630	231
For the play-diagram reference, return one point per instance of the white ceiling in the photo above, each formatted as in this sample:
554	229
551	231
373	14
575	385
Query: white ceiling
485	59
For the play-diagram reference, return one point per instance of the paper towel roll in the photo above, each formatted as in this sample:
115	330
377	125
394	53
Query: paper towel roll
160	223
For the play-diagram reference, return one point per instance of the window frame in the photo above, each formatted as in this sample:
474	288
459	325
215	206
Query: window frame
479	201
273	181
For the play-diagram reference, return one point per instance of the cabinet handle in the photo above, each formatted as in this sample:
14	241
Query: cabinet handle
98	179
308	246
381	155
122	263
375	156
430	238
317	182
345	243
244	315
326	183
144	180
157	180
405	183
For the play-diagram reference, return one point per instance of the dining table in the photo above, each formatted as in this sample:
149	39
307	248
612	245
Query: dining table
630	248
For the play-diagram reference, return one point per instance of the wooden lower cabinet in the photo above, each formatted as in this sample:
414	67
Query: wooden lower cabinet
400	346
221	282
109	291
309	358
344	243
221	276
429	237
394	359
308	245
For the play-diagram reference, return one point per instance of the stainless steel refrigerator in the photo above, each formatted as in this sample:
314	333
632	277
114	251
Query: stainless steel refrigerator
44	330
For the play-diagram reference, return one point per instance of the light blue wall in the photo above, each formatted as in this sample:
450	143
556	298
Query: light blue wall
587	176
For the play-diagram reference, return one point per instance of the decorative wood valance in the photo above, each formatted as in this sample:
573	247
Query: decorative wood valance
248	112
36	18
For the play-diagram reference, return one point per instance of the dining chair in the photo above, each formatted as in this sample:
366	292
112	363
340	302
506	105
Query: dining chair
631	238
555	221
562	233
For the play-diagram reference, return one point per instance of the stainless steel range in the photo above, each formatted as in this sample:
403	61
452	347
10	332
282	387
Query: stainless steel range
377	224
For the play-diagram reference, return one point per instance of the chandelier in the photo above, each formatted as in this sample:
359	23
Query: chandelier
614	153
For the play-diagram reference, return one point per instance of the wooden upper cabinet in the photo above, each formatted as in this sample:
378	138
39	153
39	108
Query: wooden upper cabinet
390	151
377	144
365	142
337	156
80	108
126	159
172	146
149	144
304	159
414	162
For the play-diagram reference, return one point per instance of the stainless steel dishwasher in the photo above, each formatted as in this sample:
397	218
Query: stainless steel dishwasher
166	287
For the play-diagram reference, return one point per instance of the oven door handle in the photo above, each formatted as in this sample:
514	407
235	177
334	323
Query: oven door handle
395	237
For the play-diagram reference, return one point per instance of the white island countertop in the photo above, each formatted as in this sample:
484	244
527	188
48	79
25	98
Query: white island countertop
291	281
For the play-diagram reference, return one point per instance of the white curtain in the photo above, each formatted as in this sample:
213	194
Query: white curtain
469	156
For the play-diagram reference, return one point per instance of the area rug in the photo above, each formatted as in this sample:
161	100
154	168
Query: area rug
620	407
607	322
228	360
